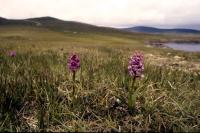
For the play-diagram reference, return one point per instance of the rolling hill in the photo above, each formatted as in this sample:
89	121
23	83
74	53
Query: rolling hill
57	24
144	29
72	27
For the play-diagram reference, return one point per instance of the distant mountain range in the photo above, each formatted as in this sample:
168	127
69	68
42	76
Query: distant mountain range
72	26
144	29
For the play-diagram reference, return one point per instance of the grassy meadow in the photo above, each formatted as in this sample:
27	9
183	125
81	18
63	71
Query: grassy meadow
36	85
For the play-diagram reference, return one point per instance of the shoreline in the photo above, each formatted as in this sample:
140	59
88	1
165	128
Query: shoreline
160	43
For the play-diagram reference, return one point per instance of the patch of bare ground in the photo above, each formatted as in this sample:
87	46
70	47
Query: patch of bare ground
175	62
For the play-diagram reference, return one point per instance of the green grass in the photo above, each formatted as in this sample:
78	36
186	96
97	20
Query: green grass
36	86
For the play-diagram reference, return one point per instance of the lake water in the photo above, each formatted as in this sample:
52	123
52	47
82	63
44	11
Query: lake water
191	47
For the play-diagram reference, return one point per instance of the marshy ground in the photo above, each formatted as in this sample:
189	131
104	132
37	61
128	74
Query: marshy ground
36	85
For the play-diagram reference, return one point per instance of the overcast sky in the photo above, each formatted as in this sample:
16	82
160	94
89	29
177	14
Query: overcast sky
114	13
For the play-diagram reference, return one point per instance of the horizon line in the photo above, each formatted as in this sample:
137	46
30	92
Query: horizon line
117	27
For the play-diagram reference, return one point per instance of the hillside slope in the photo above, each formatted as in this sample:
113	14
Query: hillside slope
57	24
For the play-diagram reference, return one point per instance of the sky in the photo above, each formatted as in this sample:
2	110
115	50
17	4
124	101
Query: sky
110	13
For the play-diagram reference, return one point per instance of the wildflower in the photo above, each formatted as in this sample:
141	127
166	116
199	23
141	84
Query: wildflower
135	69
136	65
74	63
12	53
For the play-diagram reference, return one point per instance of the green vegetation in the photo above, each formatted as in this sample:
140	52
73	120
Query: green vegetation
36	85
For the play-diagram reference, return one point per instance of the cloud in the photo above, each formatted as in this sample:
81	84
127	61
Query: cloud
107	12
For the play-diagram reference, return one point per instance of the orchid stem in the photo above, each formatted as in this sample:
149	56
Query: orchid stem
132	97
74	76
